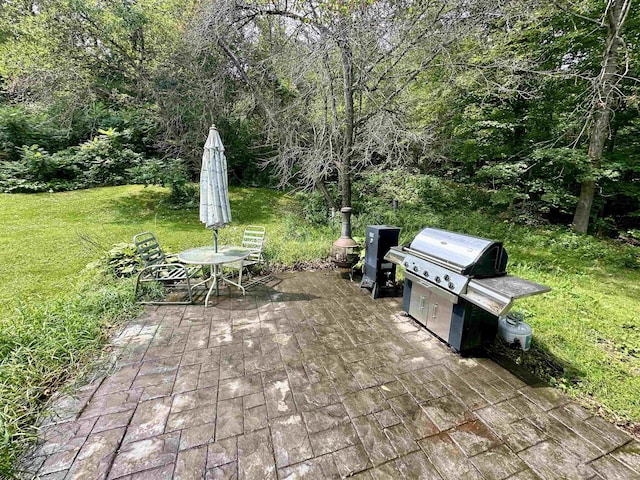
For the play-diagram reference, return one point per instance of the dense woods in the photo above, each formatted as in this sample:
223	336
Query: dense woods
536	102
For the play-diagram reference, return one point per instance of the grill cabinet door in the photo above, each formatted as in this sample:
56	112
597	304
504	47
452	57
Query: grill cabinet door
419	305
439	315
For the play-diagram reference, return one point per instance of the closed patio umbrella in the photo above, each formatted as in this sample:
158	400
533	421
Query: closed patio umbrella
215	211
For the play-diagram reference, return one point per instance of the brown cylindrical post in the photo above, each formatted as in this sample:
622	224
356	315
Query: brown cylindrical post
346	222
343	251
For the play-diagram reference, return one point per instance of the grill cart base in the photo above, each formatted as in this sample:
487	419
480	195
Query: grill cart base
461	324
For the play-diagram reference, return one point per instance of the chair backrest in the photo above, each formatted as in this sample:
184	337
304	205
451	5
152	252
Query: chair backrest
253	238
149	249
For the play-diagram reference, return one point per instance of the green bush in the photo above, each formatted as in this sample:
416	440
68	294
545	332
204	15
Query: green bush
140	123
312	206
172	173
244	151
20	127
121	261
376	190
105	160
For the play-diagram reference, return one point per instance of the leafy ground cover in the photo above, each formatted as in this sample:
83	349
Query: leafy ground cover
586	334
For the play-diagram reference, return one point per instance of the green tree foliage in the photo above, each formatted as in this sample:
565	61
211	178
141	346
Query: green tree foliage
498	95
71	68
94	50
104	160
514	113
330	78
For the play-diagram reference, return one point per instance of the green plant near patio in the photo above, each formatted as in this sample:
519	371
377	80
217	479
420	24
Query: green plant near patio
42	344
106	159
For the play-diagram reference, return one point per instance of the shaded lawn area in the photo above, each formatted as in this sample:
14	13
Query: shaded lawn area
590	326
590	321
43	240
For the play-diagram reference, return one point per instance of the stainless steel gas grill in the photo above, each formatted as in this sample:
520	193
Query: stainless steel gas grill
457	285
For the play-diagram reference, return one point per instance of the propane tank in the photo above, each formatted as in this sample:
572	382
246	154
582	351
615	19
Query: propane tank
514	330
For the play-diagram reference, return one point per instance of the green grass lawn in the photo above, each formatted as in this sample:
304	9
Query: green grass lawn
51	319
44	237
589	324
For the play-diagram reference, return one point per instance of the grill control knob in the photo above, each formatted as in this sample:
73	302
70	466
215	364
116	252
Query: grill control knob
426	274
438	280
447	278
451	286
406	264
415	268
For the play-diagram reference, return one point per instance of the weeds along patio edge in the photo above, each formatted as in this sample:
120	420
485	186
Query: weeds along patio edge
45	345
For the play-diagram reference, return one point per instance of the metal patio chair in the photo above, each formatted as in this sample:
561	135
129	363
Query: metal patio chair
253	238
162	268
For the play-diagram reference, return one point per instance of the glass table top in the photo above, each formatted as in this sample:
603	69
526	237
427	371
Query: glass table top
208	255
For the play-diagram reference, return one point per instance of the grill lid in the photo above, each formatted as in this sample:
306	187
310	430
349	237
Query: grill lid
468	255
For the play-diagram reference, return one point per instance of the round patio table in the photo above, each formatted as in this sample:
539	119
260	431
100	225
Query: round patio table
208	256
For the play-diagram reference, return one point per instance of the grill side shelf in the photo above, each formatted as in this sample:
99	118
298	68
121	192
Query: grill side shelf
496	295
395	255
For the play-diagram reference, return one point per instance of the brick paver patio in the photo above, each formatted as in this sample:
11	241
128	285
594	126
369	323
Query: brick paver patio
311	378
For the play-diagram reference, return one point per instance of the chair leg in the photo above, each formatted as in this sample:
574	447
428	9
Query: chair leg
189	290
240	279
135	291
152	302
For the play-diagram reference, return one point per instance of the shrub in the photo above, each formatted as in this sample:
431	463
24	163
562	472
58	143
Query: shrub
172	173
139	123
378	189
105	160
122	261
19	127
312	207
244	150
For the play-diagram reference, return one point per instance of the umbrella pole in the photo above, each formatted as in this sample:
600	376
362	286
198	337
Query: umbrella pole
215	267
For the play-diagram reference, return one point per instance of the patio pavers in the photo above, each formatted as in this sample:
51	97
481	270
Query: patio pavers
311	378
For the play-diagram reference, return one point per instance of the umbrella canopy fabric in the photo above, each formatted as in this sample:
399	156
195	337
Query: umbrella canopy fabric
215	211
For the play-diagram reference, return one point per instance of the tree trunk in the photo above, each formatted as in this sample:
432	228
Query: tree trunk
327	196
601	107
347	147
583	208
